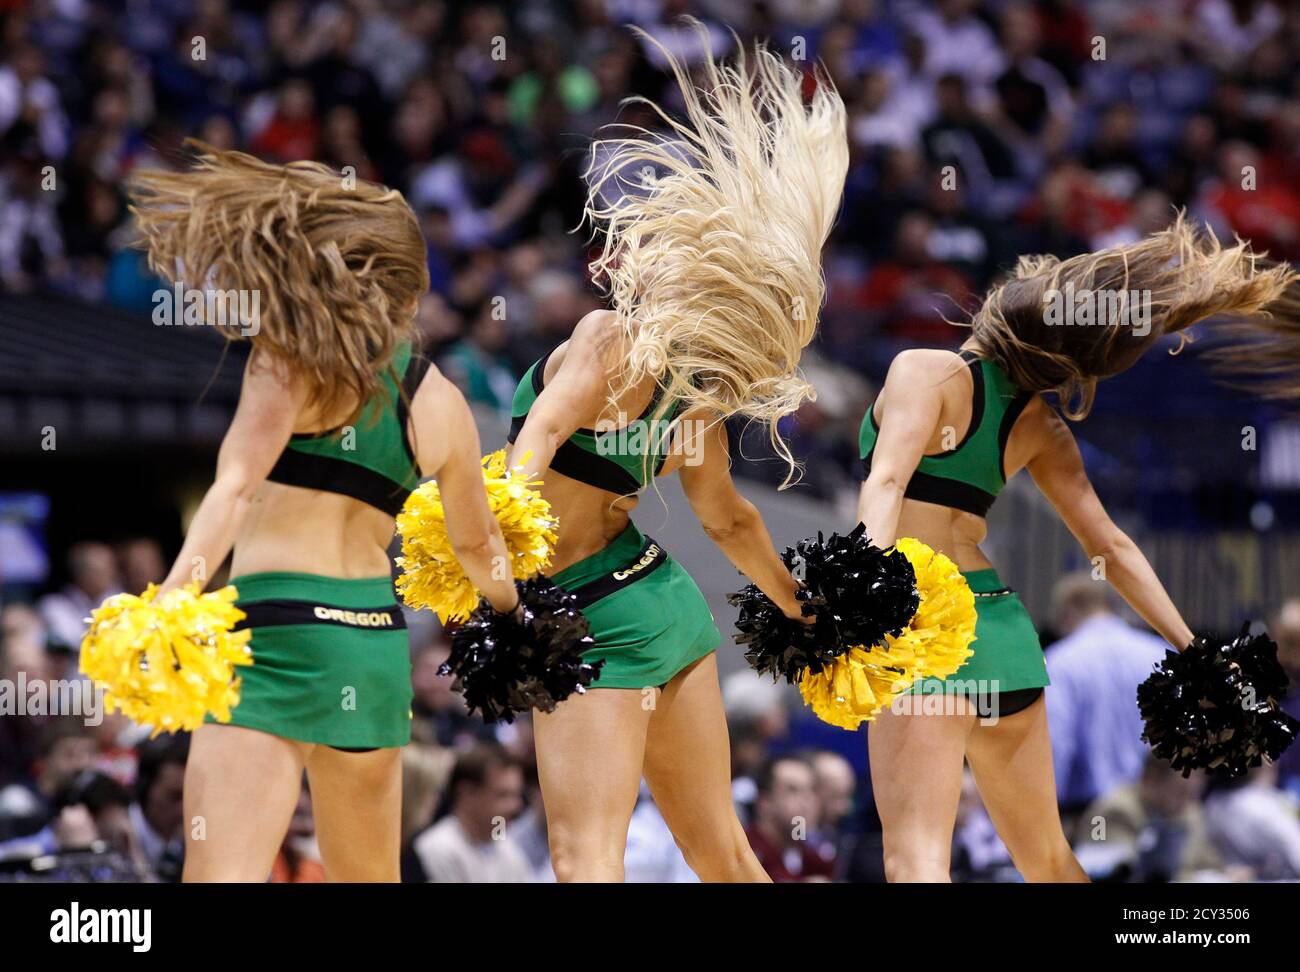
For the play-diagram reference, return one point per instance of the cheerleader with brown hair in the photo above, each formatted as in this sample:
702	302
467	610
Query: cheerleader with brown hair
947	432
337	420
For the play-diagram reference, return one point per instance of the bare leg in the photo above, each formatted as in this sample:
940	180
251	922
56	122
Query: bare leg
1012	763
688	767
357	802
589	756
916	767
241	787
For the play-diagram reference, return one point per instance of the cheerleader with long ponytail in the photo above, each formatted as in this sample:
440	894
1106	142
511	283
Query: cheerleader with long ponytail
337	420
947	432
712	261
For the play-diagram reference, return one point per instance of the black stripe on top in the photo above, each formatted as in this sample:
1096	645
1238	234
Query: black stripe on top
416	369
649	559
948	492
282	611
574	461
311	471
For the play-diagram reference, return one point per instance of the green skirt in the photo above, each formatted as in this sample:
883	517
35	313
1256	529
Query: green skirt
1008	655
648	618
331	660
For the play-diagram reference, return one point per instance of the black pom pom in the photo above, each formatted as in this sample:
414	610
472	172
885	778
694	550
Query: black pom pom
777	645
503	666
867	592
1215	707
855	592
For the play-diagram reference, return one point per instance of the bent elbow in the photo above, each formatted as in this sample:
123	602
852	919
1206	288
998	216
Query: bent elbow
1111	548
740	520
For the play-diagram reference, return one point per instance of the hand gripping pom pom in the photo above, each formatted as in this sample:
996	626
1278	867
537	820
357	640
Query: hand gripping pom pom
504	667
1216	707
168	661
854	687
856	594
431	575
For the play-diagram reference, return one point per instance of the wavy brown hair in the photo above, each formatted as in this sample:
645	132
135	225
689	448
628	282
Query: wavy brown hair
338	265
1181	275
1261	354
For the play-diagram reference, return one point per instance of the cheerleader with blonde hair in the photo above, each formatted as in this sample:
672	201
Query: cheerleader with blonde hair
337	420
712	260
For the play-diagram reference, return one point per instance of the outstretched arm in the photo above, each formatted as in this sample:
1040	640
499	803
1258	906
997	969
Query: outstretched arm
913	405
730	520
269	401
447	448
1057	468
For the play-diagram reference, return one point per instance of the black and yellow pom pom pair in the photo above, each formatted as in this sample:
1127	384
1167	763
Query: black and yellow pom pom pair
877	620
169	661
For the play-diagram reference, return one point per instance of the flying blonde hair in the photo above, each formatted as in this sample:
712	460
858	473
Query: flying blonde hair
1182	274
338	265
713	265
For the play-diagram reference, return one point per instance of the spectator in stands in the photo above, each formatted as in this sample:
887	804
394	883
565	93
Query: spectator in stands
157	815
93	570
91	816
835	785
652	855
958	137
471	844
107	804
424	772
1253	825
913	295
785	817
1151	830
67	749
1092	711
757	719
477	363
438	710
1245	201
31	239
299	859
22	656
1034	108
140	563
28	97
958	42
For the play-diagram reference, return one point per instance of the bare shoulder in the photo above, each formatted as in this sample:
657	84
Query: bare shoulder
599	330
924	367
432	386
1039	419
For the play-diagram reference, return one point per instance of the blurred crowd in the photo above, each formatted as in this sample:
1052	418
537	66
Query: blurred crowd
88	796
979	130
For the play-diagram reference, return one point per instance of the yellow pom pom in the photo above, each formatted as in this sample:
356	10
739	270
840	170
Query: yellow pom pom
431	575
854	687
943	627
858	684
168	661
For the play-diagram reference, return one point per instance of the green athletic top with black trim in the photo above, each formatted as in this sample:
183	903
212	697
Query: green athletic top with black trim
373	462
612	460
969	476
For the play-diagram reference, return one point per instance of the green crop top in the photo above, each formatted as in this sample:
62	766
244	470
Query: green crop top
371	461
613	460
969	476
